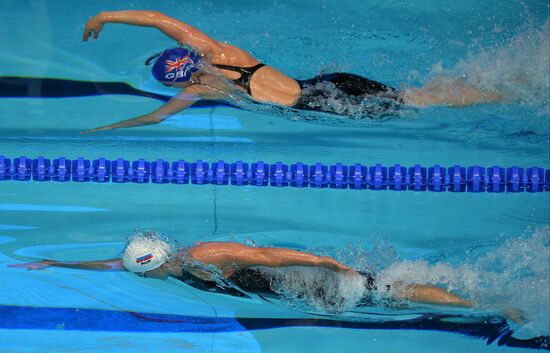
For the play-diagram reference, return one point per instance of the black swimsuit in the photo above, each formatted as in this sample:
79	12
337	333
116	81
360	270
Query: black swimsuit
352	85
256	281
338	93
246	74
349	95
253	280
318	93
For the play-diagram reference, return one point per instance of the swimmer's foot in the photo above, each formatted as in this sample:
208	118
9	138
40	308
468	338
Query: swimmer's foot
519	323
515	315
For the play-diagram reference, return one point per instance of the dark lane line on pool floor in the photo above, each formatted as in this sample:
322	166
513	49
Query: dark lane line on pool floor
23	317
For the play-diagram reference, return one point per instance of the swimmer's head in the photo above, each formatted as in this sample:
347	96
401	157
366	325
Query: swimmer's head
146	251
174	65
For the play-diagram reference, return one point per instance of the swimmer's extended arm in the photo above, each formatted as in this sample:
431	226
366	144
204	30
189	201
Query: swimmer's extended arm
179	102
225	255
101	265
179	31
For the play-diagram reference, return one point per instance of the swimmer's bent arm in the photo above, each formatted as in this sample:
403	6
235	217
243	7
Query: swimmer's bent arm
179	102
225	255
175	29
101	265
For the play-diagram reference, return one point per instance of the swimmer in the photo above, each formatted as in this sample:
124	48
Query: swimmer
205	69
151	255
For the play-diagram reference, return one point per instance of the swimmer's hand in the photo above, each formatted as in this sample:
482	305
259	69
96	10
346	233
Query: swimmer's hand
93	27
34	265
102	128
332	264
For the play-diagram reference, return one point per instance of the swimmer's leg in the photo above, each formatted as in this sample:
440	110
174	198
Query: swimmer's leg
432	295
448	91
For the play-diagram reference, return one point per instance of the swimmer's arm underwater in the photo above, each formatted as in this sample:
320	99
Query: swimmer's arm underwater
101	265
179	102
225	255
175	29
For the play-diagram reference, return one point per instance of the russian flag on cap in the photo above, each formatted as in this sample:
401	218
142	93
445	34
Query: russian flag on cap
144	259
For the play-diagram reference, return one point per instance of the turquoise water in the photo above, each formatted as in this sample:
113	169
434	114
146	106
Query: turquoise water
489	247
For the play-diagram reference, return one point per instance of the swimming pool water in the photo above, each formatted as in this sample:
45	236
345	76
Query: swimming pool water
398	43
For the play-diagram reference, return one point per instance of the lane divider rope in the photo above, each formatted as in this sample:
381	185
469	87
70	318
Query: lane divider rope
358	176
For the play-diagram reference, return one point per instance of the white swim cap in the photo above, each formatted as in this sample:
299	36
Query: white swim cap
145	252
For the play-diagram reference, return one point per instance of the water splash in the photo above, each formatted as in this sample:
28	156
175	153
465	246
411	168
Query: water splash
516	276
324	291
379	255
511	278
316	289
519	69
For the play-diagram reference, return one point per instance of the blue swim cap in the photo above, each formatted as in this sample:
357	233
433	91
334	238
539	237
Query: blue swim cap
176	65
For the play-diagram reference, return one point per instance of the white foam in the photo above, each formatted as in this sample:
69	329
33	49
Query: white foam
513	277
518	69
316	289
